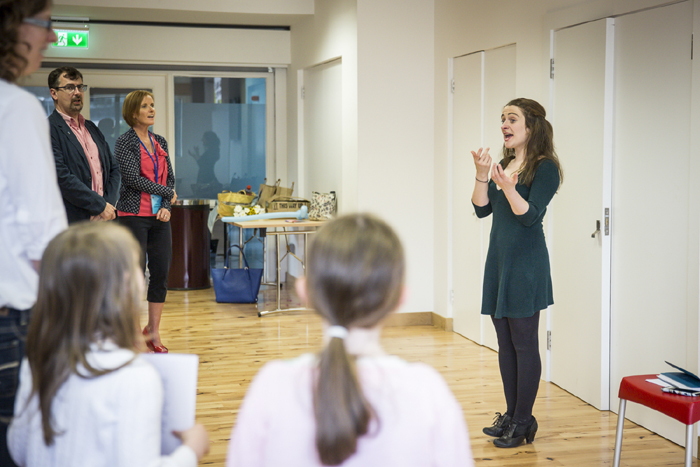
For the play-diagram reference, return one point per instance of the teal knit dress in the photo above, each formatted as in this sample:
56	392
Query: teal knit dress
517	279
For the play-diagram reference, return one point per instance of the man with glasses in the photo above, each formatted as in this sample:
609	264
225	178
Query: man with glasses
87	172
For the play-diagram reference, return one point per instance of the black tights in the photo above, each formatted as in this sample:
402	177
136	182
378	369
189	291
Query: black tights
519	361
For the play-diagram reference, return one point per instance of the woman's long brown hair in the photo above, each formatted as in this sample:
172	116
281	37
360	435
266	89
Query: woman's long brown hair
540	144
89	291
12	13
354	278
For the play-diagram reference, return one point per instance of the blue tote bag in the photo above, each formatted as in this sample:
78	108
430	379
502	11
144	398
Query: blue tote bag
236	285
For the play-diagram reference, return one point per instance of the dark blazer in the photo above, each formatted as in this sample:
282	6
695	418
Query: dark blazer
73	170
127	150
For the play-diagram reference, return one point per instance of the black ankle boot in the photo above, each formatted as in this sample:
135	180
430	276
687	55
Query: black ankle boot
499	426
516	433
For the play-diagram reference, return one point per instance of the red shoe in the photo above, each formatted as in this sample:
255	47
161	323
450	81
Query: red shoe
151	346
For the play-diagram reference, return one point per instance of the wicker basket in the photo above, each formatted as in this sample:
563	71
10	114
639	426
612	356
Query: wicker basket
229	200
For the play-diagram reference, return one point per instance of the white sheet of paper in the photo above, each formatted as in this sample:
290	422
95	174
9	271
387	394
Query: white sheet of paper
659	382
179	375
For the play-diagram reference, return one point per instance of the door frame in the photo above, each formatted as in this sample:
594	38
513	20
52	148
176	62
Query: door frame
606	199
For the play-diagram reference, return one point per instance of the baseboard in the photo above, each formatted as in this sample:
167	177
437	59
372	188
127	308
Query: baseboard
442	322
423	318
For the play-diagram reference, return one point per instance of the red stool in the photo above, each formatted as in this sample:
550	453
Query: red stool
685	409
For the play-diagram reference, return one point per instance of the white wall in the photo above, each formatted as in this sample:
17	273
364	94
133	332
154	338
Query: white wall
110	43
395	114
217	6
387	117
330	34
263	12
692	332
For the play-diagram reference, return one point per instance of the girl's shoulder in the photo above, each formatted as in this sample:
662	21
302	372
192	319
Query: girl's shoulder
410	370
385	364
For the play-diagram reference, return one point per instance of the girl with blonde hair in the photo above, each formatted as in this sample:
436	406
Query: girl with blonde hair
85	395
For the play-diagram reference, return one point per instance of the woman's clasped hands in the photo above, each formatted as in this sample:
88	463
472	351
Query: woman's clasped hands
483	163
504	181
163	214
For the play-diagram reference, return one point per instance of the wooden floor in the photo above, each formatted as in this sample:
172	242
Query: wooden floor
233	343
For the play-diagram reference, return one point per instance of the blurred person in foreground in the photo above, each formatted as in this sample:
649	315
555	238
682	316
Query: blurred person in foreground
351	404
31	211
86	396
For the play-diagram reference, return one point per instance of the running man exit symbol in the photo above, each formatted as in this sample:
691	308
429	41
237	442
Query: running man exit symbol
71	39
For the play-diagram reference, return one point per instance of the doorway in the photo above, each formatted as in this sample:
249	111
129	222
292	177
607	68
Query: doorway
618	110
483	82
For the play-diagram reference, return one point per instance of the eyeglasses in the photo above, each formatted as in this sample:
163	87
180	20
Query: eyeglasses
71	88
42	23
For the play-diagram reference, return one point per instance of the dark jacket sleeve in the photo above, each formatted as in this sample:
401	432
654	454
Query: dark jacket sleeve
544	185
76	188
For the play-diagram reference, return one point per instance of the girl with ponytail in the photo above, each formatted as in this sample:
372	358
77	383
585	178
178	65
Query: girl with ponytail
352	404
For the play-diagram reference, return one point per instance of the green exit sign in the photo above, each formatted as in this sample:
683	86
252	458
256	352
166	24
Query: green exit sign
71	39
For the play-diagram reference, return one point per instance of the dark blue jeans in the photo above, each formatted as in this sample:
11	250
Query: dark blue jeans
13	333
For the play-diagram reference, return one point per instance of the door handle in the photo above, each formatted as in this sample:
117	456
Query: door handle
597	229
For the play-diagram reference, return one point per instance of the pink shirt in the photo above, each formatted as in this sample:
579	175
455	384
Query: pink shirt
420	421
90	149
148	171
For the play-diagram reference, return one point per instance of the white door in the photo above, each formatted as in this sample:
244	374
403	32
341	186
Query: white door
580	254
499	89
322	130
467	231
483	83
651	199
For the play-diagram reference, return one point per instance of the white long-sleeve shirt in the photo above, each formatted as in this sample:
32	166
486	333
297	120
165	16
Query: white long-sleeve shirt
112	420
31	207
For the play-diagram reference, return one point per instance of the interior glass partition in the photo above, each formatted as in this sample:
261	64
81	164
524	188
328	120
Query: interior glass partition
106	112
220	131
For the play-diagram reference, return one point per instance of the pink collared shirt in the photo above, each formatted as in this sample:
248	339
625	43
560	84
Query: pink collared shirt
90	148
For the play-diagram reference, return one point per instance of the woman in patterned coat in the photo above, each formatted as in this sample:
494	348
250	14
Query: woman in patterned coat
145	198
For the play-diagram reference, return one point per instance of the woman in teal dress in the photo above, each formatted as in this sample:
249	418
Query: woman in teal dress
517	279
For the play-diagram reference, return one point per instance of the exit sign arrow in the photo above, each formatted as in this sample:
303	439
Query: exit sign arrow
71	39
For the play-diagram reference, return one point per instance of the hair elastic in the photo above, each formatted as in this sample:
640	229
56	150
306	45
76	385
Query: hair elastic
337	331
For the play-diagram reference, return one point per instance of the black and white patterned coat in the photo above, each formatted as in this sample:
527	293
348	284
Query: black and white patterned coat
127	150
